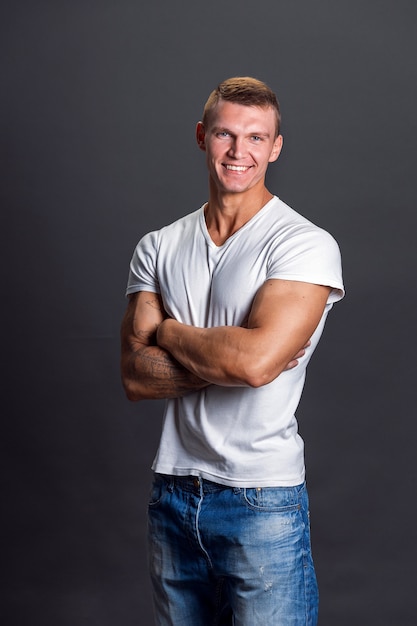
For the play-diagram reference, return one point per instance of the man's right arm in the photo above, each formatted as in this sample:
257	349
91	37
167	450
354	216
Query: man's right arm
149	371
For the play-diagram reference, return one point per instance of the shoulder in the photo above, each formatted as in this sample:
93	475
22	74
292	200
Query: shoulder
182	224
301	250
287	225
170	232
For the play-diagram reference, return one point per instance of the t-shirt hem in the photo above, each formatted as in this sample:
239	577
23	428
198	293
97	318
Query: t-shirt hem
243	483
141	287
338	290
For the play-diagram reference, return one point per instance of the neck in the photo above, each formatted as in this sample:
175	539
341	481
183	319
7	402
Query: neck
226	213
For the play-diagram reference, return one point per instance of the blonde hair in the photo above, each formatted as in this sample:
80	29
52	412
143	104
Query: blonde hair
242	90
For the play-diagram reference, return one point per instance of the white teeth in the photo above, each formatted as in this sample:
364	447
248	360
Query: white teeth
236	168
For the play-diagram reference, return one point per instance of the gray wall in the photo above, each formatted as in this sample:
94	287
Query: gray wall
99	103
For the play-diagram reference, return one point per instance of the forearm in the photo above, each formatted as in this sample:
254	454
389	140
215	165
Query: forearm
226	356
150	372
283	317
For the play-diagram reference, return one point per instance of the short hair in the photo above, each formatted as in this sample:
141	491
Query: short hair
243	90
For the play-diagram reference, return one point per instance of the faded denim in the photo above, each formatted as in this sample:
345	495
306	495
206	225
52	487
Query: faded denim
223	556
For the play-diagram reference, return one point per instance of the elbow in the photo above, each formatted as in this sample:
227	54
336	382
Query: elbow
131	383
259	374
257	381
132	397
132	390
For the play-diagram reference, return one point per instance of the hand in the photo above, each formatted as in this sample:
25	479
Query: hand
163	331
294	361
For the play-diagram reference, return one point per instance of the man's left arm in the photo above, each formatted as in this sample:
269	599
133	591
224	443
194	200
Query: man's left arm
283	317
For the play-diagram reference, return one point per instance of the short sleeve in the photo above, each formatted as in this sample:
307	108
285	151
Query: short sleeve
142	273
310	255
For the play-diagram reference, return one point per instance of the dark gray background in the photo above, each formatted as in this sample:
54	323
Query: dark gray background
99	104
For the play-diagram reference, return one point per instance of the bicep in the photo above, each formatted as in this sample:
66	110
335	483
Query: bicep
143	315
286	313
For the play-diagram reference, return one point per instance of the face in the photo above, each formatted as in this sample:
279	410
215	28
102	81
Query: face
239	143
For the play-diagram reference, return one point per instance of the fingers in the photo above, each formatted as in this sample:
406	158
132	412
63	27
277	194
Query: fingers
291	365
294	361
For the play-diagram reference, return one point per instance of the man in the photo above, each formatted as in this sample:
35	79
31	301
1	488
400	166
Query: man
226	306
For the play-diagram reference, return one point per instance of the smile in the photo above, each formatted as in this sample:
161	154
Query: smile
237	168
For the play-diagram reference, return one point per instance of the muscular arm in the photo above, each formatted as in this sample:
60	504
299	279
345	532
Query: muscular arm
284	316
149	371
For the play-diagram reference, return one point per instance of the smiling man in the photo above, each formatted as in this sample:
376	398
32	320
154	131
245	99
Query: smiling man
226	306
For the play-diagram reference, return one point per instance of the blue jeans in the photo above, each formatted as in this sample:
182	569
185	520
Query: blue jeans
222	556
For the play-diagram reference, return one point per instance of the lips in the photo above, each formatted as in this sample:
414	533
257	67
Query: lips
237	168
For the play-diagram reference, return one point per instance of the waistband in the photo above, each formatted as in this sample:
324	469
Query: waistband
195	484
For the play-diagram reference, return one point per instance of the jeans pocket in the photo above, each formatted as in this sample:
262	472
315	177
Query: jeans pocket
157	491
272	499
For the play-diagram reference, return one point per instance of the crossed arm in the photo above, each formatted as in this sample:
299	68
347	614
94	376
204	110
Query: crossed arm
162	358
149	371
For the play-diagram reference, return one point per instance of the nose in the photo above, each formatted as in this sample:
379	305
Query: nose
237	149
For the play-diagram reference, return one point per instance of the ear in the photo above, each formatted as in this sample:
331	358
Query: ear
200	135
276	149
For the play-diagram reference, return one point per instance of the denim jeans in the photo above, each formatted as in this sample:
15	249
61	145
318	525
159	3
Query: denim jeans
222	556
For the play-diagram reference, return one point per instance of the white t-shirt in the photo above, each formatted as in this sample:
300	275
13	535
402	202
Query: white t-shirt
238	436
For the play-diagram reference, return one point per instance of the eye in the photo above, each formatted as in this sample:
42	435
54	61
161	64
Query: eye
222	133
256	138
